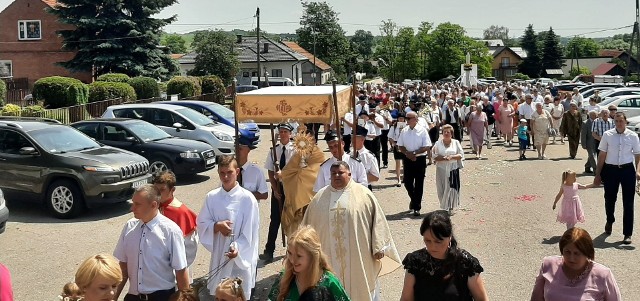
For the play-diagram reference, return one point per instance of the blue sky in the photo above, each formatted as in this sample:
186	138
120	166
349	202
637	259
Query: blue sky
567	17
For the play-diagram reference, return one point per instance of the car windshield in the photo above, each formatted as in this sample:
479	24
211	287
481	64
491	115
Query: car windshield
195	117
62	139
221	111
147	131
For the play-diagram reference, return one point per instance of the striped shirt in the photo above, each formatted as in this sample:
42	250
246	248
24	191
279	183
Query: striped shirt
600	126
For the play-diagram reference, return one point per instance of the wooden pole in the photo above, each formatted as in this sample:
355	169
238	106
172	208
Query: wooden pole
235	117
277	187
355	117
336	118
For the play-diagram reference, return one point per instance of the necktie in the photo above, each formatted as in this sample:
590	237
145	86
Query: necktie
240	176
283	158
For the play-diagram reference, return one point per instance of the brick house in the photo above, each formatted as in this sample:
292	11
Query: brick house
29	44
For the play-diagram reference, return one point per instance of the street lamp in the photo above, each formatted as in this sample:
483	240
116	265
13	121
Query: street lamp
313	75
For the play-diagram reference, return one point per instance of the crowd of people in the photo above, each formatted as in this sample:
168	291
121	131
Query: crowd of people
420	125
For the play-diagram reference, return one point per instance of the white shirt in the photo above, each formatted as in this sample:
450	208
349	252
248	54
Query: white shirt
253	179
359	108
386	115
620	148
394	132
525	110
371	130
268	164
369	161
423	123
152	251
358	173
414	139
378	119
578	99
589	108
347	129
538	98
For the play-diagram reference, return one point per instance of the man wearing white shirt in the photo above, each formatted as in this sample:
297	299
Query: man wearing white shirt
525	111
362	105
414	143
358	173
151	251
366	157
619	150
577	97
537	98
347	131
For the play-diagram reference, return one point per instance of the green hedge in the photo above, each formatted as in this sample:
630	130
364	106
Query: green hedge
58	91
11	110
99	91
32	111
3	92
212	84
185	86
114	78
146	87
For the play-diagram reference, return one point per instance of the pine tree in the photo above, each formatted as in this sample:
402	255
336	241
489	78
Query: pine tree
552	53
531	65
115	36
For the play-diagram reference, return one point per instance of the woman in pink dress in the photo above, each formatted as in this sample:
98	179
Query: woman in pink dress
506	121
477	125
574	276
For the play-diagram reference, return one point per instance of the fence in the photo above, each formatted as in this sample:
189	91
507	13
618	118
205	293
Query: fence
17	97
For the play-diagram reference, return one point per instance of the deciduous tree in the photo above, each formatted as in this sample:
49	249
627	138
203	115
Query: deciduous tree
216	55
175	42
580	47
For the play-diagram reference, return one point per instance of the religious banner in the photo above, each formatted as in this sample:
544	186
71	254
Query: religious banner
304	104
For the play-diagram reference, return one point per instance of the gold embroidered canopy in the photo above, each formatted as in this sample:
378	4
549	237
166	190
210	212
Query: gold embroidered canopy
304	104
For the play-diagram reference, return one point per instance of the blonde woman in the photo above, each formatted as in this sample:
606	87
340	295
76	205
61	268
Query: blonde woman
98	277
305	267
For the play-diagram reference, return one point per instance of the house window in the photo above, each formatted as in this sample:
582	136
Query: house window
505	62
511	72
29	30
276	72
6	68
245	74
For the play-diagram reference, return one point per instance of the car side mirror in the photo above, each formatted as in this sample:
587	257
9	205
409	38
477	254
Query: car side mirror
28	151
132	139
178	126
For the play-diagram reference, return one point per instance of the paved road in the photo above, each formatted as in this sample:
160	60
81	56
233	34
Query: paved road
506	222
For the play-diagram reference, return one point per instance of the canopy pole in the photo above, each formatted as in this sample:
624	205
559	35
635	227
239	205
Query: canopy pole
235	117
355	117
336	118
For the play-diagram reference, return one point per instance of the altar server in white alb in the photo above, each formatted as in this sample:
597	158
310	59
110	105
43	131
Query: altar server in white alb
354	234
229	228
358	173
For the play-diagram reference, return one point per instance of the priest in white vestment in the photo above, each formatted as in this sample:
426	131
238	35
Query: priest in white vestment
354	233
229	210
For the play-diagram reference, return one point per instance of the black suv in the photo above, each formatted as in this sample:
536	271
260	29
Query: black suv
63	167
164	152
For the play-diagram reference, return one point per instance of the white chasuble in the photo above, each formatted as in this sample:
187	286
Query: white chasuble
352	228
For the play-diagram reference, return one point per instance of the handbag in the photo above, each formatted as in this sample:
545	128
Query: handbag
552	132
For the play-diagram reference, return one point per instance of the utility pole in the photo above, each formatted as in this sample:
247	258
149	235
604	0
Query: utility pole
315	72
258	44
635	39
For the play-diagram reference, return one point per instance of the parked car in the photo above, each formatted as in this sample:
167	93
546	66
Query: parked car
63	167
606	95
245	88
633	124
164	152
179	122
219	113
568	87
4	213
591	86
629	104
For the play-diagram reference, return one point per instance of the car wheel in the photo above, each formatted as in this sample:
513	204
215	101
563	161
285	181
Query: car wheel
64	199
158	165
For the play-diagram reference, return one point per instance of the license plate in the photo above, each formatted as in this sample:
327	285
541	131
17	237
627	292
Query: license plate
211	161
137	184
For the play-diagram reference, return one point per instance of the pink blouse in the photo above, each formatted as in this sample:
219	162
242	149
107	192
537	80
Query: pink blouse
552	284
6	294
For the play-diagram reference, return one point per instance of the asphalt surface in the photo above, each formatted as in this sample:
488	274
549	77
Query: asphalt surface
506	221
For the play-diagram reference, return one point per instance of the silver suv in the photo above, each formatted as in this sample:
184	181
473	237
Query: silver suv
179	122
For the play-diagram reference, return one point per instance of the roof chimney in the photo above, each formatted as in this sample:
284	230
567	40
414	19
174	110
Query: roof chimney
266	47
238	38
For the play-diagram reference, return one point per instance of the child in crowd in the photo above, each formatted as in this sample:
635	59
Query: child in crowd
570	211
184	295
523	140
230	289
70	292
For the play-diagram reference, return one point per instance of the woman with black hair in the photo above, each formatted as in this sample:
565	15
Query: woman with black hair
441	271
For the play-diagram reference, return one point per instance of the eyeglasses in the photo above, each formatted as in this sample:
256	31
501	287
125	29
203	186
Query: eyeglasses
613	109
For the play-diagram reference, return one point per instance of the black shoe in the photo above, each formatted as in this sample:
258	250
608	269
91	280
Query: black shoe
626	240
573	157
607	228
588	170
416	212
266	256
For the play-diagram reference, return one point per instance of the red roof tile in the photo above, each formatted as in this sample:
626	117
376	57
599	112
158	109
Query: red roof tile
295	47
177	56
610	52
603	68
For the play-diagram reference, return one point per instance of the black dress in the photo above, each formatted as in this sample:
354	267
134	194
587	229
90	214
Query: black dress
430	278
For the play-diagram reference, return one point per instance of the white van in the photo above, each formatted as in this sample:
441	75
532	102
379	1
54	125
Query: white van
273	81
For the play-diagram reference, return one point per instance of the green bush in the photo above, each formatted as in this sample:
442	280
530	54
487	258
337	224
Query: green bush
163	87
32	111
58	91
521	76
212	84
10	110
99	91
146	87
3	92
114	78
184	86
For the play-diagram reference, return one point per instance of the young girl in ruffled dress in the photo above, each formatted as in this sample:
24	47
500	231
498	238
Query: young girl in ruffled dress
570	211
